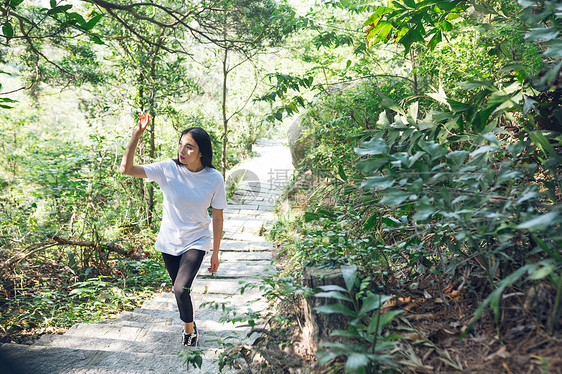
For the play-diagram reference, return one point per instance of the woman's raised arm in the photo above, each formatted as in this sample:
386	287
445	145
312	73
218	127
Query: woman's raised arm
127	163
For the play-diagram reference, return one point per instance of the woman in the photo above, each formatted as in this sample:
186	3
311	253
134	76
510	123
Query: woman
190	185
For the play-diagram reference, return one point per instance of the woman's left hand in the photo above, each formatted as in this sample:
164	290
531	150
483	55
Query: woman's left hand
214	263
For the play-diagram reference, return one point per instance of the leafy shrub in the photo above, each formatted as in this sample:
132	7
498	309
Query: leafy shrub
366	348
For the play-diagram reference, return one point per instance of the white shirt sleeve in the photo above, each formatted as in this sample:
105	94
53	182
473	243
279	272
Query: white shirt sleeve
219	195
155	171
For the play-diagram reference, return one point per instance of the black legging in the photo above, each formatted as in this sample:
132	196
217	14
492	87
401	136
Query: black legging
182	270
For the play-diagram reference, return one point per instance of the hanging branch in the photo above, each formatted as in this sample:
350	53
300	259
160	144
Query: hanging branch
20	256
87	243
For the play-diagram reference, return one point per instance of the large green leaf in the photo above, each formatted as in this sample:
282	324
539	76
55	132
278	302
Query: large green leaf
435	150
458	157
15	3
449	5
376	17
356	363
351	333
435	39
59	9
542	142
370	165
375	146
379	322
332	287
542	34
372	302
7	30
540	223
395	197
333	295
554	50
378	182
410	37
92	22
349	274
6	100
335	308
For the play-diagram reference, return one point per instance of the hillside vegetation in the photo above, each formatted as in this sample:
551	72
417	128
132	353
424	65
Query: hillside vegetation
428	169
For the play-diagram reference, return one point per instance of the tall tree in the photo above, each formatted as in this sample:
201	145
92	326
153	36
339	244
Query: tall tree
157	75
240	30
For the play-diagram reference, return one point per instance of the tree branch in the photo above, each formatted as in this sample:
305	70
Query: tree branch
247	98
86	243
37	52
22	256
134	32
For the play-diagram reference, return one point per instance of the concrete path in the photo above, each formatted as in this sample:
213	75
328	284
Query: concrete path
147	340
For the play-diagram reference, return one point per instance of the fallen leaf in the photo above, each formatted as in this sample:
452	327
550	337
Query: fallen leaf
501	353
506	368
412	336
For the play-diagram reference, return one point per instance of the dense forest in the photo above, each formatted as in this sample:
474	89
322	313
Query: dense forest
426	137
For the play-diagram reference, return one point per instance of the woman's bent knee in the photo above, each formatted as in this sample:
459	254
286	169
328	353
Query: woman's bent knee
181	291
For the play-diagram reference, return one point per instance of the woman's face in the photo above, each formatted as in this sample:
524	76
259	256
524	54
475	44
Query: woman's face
188	151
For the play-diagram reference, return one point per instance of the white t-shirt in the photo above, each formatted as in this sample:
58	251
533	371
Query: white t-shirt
187	196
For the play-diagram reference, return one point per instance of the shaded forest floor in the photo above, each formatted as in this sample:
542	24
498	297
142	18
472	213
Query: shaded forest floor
431	328
431	331
46	296
519	343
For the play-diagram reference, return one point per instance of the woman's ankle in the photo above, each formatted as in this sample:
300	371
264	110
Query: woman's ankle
188	327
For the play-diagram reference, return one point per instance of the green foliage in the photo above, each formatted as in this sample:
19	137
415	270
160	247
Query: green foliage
434	179
284	83
467	173
544	20
364	345
192	357
409	21
228	341
38	306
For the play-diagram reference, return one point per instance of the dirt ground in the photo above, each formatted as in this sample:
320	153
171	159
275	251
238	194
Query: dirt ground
431	327
431	330
517	343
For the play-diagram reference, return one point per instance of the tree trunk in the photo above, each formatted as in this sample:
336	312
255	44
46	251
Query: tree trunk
224	118
151	129
150	187
318	326
414	67
141	143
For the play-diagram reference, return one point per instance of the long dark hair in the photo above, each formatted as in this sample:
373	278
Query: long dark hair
203	140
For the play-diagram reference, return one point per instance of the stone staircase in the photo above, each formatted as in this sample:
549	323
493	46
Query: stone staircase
147	340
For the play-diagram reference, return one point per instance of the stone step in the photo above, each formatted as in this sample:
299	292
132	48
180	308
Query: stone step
267	216
254	228
237	270
167	303
140	337
245	256
237	219
243	237
59	360
241	206
245	246
224	286
248	197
